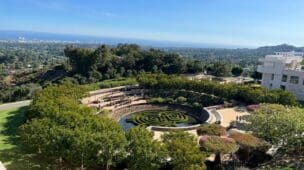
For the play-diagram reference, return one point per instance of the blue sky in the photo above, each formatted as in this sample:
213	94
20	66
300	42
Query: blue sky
231	22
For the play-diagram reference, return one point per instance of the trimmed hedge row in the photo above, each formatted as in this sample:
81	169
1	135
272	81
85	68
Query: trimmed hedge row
160	118
242	93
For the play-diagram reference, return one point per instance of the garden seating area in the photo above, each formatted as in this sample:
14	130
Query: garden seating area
114	98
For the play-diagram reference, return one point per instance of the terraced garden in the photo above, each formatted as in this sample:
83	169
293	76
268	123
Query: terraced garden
169	118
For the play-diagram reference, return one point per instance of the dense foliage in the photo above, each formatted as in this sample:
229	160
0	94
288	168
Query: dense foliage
145	153
91	65
219	69
242	93
236	71
218	145
211	129
244	57
60	127
279	125
246	140
184	151
24	65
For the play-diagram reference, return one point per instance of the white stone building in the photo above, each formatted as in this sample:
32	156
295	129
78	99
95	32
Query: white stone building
283	70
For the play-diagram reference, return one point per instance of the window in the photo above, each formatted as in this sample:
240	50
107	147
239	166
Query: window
272	76
294	79
270	84
282	87
284	78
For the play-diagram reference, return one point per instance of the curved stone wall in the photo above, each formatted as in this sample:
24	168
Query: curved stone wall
163	128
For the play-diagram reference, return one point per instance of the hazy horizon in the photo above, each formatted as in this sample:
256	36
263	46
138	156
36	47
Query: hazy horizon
233	23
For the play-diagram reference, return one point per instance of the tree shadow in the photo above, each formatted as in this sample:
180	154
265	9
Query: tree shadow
16	158
14	120
17	155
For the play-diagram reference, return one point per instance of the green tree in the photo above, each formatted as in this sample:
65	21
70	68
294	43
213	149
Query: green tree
184	151
237	71
60	127
36	134
81	60
111	142
218	145
280	125
145	153
220	69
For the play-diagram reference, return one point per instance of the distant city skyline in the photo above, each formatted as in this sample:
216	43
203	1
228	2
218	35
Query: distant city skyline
223	22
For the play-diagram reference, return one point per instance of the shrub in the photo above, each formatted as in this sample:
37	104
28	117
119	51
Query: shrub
245	140
181	100
157	100
196	105
216	144
211	129
169	100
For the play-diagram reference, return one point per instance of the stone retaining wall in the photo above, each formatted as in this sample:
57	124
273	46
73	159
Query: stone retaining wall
163	128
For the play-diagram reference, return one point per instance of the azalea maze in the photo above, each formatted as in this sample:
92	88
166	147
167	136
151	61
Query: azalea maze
170	118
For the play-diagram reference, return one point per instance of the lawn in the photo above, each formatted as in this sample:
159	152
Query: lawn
9	121
12	152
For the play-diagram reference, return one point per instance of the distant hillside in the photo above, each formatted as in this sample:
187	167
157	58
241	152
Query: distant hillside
280	48
245	57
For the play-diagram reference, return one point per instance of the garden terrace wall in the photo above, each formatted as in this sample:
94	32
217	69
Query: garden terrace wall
163	128
200	115
212	110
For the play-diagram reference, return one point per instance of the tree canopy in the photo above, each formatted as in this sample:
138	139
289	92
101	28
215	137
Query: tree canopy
145	153
280	125
60	127
184	151
237	71
104	62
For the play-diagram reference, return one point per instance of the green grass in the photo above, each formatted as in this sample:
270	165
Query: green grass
9	121
13	152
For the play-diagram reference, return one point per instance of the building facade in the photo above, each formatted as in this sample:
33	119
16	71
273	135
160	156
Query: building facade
283	70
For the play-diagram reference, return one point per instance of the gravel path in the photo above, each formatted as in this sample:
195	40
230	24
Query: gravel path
14	104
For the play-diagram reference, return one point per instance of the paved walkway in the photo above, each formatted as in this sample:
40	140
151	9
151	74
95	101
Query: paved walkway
15	104
2	167
229	114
